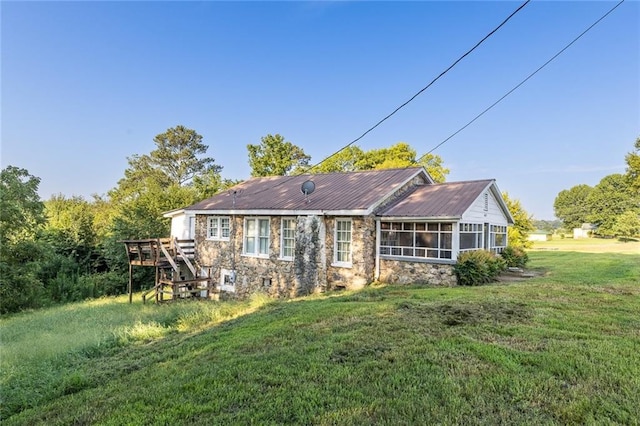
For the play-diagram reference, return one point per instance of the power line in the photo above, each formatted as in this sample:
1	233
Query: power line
427	86
522	82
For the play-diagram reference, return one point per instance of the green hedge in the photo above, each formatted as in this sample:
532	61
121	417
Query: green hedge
515	256
478	267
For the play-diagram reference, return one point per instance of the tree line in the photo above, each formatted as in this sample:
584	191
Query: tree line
68	248
612	206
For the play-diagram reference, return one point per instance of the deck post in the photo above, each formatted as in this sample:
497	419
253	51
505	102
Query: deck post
130	287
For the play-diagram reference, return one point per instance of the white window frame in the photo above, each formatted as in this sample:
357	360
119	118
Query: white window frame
256	236
284	239
391	247
495	230
336	243
227	280
216	231
476	229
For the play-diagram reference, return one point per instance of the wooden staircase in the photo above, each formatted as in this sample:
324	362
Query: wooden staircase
178	275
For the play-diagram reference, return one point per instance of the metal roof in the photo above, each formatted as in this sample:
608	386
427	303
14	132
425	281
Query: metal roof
354	191
448	200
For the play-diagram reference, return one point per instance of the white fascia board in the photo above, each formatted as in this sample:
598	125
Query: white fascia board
419	218
498	196
387	196
174	212
265	212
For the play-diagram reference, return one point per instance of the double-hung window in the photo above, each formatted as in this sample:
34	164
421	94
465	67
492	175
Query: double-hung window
256	237
287	238
218	228
342	248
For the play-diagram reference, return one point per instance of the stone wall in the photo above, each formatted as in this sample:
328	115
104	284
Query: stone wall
363	234
406	272
271	275
312	269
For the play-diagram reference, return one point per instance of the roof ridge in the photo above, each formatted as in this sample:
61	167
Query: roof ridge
467	181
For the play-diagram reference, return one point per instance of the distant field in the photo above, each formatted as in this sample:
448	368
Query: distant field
558	349
589	245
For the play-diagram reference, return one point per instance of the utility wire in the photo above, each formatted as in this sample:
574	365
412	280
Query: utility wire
309	168
426	87
522	82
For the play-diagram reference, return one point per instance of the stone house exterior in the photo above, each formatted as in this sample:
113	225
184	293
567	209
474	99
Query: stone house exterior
347	230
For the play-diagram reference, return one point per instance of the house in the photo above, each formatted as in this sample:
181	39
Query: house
296	235
585	231
540	235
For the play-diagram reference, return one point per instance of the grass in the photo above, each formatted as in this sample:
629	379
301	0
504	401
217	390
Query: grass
562	348
590	245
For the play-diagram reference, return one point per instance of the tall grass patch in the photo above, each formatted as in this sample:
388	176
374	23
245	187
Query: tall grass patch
552	350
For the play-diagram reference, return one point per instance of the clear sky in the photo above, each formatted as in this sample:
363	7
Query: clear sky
87	84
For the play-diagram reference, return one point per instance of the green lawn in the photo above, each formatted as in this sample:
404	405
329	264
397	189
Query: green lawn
562	348
590	245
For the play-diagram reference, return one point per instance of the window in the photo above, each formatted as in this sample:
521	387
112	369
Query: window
287	238
342	248
218	228
228	280
266	283
471	235
256	237
416	239
498	238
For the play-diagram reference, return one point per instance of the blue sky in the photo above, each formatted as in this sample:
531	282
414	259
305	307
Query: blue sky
87	84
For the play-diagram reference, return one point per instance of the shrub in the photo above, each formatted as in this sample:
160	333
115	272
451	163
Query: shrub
478	267
515	257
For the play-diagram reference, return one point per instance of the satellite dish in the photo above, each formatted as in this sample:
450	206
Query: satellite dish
308	187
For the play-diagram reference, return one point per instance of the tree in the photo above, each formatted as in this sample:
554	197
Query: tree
402	155
346	160
74	216
633	166
571	206
22	210
396	156
399	155
178	155
433	164
175	174
627	225
523	223
22	217
275	157
210	183
611	197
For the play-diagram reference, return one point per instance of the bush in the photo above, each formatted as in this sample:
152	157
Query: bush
515	257
478	267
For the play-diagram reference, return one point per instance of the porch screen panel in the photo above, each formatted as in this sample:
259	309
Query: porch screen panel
416	239
471	236
498	238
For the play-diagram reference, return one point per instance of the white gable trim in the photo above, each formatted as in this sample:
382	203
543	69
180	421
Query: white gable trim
489	207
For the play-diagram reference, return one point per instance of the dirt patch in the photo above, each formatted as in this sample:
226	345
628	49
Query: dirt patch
519	276
469	313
